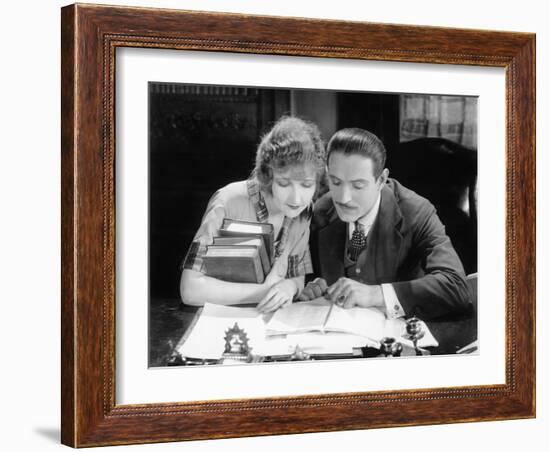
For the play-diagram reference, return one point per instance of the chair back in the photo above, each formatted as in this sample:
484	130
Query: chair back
445	173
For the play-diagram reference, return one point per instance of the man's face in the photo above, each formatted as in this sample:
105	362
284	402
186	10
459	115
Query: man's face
352	184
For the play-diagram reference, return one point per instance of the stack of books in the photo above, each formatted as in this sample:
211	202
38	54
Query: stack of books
242	252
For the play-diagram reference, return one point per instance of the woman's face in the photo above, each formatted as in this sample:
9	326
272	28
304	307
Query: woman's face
293	188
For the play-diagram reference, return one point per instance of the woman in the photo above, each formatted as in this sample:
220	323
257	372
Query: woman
290	162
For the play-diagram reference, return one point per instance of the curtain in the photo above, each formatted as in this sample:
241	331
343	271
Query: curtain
451	117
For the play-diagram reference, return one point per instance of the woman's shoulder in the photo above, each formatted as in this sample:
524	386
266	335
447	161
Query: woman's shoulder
234	192
236	201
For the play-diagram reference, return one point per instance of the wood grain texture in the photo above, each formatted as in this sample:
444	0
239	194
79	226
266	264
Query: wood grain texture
67	224
90	36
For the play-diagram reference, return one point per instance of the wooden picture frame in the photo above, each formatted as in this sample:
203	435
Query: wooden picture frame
90	36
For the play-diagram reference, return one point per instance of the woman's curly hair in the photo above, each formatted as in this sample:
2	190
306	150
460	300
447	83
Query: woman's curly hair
290	141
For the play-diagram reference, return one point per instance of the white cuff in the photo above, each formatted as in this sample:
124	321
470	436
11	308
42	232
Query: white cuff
393	307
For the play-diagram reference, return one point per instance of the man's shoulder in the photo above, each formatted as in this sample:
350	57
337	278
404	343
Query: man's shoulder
410	203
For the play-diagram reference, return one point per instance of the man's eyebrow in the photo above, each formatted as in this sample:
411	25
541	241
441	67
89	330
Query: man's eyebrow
363	181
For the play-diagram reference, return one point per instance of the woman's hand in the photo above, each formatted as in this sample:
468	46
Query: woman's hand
281	294
277	272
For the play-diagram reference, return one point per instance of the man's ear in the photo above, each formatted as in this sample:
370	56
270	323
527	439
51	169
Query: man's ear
383	178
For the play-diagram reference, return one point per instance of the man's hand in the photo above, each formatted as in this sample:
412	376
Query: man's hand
348	293
281	294
314	289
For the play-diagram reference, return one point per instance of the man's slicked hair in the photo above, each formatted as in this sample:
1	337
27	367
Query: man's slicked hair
355	141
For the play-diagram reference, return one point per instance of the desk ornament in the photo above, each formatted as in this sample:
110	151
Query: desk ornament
415	332
236	345
299	355
390	347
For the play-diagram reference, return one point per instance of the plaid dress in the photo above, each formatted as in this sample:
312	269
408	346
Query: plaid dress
244	200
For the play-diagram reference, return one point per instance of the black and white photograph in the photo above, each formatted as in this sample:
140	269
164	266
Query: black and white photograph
304	224
275	226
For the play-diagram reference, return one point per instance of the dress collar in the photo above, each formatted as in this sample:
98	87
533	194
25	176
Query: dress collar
256	196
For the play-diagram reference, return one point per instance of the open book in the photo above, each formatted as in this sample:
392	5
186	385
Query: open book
321	315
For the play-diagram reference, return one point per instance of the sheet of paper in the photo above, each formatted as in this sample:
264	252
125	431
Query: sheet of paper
321	343
470	348
313	343
366	322
207	337
207	340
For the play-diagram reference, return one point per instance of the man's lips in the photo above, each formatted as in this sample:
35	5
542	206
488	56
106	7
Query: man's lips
345	207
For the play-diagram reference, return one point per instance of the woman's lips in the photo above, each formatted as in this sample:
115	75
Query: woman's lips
290	206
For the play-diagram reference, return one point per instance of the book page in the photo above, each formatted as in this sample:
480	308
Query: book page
253	241
299	317
220	250
251	228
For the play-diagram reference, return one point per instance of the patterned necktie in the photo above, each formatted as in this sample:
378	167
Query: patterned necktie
358	241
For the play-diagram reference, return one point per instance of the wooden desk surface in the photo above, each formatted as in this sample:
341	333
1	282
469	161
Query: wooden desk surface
170	319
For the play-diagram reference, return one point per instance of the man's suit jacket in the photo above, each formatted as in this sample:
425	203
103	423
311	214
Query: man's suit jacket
407	246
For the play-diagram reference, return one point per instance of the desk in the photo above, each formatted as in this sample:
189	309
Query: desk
170	319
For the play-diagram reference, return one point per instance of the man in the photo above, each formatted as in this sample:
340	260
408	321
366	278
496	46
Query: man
380	244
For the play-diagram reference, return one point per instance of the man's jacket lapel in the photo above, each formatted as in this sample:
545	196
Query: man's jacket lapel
384	241
332	242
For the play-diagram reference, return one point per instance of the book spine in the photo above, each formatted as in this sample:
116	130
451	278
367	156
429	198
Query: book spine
231	269
259	269
265	260
268	239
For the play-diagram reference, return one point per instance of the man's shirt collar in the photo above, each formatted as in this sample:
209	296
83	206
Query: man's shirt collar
368	219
